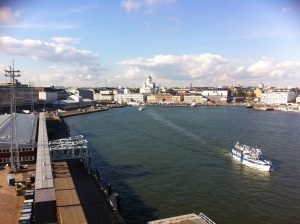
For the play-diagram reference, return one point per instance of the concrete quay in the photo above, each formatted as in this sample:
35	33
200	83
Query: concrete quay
86	111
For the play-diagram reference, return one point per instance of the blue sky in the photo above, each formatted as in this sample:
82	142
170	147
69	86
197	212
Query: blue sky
118	43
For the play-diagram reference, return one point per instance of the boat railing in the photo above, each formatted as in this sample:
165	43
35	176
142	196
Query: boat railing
208	220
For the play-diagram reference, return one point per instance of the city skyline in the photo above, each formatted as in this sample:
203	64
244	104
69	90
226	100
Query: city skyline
119	43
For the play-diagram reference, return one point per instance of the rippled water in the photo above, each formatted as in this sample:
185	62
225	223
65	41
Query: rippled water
172	161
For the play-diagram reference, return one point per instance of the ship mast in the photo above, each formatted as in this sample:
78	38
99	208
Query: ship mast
14	152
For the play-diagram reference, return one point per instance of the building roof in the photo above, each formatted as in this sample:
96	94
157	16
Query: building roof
26	129
65	102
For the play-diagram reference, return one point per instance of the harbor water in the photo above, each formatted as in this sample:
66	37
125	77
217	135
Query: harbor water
168	161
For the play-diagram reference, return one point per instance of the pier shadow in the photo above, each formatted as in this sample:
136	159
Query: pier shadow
133	209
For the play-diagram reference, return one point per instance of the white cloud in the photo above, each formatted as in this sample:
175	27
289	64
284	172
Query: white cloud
130	5
212	70
286	9
147	5
39	50
181	67
68	64
65	40
40	26
7	15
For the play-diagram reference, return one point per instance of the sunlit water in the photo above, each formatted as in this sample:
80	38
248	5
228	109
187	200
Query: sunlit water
172	161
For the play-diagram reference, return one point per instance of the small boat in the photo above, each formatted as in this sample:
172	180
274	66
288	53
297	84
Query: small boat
141	108
193	104
134	104
251	157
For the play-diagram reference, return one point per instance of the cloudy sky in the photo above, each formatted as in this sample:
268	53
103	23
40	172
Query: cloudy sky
120	42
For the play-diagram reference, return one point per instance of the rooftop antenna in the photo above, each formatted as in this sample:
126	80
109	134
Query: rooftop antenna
14	152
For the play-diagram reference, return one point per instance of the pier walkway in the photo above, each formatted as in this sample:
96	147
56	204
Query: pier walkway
78	198
71	194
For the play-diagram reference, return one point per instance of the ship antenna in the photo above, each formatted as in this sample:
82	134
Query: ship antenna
14	151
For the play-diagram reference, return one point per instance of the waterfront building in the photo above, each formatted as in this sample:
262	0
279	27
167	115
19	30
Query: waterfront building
106	92
86	93
298	99
149	87
103	97
132	97
25	95
278	97
195	98
26	137
257	92
47	97
73	102
216	92
216	95
164	98
261	86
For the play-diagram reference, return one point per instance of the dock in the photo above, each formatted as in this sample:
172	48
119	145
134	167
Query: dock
185	219
78	196
87	110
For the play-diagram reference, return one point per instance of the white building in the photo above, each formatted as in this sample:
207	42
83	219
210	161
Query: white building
103	97
278	97
216	92
298	99
73	102
106	92
132	97
261	85
149	87
194	99
48	97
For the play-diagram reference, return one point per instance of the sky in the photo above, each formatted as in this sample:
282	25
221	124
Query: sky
90	43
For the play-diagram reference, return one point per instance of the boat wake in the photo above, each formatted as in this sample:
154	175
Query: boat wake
175	127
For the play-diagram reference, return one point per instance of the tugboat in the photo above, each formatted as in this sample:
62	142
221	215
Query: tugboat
251	157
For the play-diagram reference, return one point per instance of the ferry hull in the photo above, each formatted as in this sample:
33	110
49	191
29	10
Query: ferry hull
247	162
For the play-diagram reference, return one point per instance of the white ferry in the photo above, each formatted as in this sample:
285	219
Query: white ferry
251	157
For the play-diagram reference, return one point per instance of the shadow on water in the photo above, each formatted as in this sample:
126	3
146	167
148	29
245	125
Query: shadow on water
136	211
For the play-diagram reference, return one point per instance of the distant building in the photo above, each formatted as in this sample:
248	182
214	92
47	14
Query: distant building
298	99
257	92
164	98
86	93
216	95
24	95
26	135
149	87
103	97
194	99
261	86
216	92
47	97
132	97
278	97
106	92
73	102
127	91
